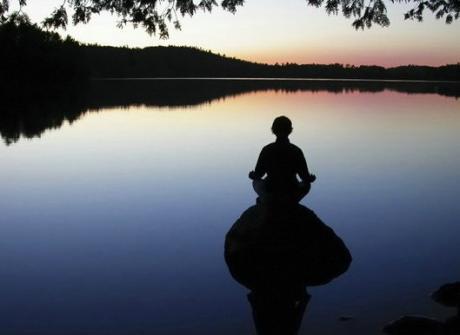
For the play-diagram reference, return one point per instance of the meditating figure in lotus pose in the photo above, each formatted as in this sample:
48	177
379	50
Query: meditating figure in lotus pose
281	162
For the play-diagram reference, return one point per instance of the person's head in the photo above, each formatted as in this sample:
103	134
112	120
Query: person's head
282	126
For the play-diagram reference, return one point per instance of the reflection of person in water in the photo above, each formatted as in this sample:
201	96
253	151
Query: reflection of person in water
282	161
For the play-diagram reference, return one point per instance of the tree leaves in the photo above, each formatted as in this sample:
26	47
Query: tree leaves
370	12
440	8
81	15
231	5
156	16
374	13
57	19
4	7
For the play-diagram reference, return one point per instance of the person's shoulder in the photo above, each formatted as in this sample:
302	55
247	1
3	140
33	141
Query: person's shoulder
269	146
295	148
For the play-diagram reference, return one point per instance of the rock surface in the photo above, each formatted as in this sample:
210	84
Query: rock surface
415	325
448	295
285	246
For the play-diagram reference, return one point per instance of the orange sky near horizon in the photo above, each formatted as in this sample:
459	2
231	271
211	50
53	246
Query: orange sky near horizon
269	32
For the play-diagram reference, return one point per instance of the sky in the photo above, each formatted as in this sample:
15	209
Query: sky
273	31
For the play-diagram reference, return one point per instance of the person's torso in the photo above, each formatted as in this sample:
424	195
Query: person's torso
282	165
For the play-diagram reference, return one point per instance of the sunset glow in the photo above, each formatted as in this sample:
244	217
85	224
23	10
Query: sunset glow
266	31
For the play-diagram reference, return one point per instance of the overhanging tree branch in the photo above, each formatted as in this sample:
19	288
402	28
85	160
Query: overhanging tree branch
156	16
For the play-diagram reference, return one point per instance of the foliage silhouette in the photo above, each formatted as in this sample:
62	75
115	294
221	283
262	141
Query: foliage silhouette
155	16
28	53
192	62
31	111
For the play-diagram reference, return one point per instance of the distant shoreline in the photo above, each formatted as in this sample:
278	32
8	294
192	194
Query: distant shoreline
278	79
32	55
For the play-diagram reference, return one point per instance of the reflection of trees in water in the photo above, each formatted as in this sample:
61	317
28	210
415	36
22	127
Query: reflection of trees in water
190	92
30	112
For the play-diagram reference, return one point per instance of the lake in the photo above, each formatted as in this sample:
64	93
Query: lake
116	199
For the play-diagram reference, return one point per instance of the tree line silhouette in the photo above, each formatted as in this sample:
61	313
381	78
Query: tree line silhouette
193	62
30	54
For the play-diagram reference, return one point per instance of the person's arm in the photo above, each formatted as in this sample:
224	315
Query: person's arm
303	172
261	167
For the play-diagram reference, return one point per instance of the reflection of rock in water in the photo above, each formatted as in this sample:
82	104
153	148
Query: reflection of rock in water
276	251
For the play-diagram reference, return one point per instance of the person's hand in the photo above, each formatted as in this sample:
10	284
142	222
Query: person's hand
312	178
252	175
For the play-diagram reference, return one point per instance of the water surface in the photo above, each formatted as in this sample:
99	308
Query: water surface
116	202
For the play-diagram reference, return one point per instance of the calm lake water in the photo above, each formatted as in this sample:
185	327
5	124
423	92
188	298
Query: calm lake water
115	203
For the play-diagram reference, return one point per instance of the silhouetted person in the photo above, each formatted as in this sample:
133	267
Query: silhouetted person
281	162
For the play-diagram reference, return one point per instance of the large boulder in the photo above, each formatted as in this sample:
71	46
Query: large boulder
284	247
